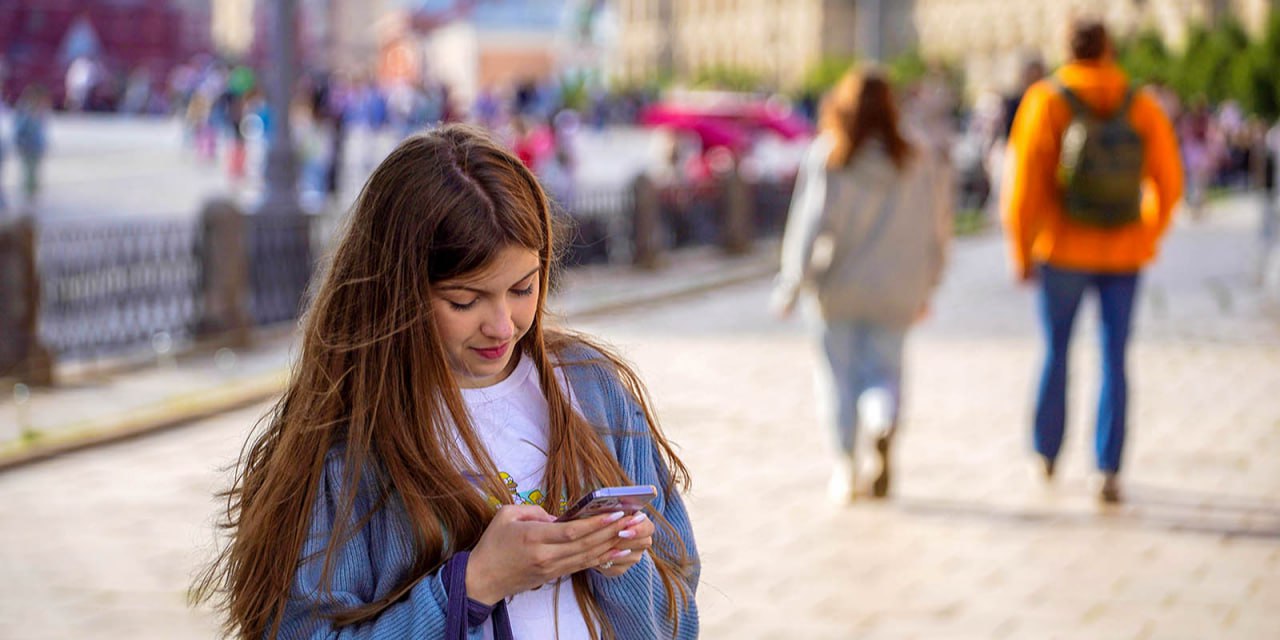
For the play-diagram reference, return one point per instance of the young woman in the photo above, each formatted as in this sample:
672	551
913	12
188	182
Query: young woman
866	237
407	483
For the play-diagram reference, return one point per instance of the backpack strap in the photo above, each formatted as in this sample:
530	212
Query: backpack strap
1129	93
1077	105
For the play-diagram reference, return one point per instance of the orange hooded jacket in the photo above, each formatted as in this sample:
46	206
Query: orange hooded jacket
1038	230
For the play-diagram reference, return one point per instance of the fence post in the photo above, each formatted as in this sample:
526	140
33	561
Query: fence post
224	266
22	355
646	223
739	215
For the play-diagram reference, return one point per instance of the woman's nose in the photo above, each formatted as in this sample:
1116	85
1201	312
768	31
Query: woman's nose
499	325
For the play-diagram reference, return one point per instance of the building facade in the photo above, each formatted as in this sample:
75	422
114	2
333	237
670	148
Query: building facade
40	38
777	40
781	39
992	38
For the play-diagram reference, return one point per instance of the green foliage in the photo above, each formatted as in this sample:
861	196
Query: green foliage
907	68
1218	63
729	78
968	222
1265	59
824	75
1206	65
573	92
651	84
1145	58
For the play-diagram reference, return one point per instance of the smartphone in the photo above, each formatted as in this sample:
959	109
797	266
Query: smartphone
611	499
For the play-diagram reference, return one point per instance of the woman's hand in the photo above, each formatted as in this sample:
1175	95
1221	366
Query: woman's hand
524	547
635	539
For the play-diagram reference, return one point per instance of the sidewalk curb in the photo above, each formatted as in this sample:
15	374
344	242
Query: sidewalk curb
172	412
206	403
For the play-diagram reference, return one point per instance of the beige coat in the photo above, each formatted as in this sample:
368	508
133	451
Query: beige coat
868	241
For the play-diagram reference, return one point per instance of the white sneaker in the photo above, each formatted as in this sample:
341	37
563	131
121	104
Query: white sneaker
840	487
875	412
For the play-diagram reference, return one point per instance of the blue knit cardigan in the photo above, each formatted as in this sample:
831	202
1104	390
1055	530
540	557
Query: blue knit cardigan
380	556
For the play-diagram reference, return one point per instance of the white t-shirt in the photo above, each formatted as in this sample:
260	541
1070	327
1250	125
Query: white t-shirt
511	420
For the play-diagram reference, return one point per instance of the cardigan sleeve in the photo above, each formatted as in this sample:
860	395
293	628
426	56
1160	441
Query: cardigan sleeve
636	602
367	567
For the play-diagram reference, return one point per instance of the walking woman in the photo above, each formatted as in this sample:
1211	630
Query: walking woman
408	482
864	247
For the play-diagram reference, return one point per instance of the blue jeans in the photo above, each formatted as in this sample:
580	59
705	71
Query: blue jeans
1060	293
859	356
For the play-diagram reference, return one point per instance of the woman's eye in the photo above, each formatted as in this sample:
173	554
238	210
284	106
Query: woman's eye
527	291
460	306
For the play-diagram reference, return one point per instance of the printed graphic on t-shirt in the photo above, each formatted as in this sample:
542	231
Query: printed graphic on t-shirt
533	496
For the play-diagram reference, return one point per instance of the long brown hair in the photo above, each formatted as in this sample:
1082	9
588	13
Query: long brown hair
860	108
372	378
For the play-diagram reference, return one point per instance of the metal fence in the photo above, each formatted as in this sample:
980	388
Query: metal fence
108	286
279	264
80	290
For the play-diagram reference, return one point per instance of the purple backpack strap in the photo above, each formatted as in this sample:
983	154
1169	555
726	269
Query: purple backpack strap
462	612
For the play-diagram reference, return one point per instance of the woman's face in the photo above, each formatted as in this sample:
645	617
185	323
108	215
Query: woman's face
482	316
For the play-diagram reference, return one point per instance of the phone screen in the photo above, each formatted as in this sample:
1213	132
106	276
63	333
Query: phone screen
610	499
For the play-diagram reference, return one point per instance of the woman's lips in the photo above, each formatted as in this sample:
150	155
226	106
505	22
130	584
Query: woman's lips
493	353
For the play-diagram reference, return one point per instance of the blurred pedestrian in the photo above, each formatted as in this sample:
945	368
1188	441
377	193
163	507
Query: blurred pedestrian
237	150
424	503
1093	183
137	92
30	138
83	75
1032	72
866	239
368	118
4	115
1203	150
1267	268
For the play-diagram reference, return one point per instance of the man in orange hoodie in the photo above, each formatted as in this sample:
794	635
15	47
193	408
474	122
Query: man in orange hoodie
1068	253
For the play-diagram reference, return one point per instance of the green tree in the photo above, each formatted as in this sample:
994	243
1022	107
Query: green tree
1207	66
1263	82
729	78
908	67
1145	58
824	74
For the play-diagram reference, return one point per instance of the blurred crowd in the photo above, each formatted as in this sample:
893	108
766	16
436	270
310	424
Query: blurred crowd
226	120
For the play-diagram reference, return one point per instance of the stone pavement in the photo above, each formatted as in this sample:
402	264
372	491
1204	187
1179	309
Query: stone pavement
971	545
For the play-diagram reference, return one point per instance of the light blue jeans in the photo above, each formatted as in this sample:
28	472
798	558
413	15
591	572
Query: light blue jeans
859	356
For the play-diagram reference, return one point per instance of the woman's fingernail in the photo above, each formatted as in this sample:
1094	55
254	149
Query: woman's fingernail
620	554
626	533
639	517
614	517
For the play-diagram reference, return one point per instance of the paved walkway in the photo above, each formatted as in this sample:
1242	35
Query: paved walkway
971	545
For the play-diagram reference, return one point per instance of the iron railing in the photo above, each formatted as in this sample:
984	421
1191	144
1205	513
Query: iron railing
108	286
279	265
